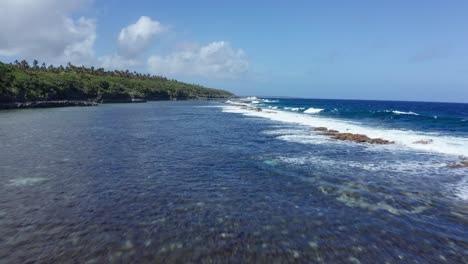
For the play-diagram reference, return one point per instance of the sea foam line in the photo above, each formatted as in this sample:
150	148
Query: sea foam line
441	143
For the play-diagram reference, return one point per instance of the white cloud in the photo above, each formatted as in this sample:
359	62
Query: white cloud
135	38
85	31
117	62
45	29
53	31
132	42
213	61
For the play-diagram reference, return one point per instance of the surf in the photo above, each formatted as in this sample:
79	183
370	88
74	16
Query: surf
406	139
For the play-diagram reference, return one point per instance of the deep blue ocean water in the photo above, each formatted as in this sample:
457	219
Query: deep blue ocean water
207	182
451	118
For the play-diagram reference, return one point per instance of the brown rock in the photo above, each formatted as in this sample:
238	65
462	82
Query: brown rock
359	138
258	109
381	141
462	164
352	137
331	132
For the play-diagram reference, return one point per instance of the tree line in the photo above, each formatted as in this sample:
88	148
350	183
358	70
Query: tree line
21	82
70	68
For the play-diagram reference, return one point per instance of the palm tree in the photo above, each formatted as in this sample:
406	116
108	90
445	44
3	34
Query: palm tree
36	65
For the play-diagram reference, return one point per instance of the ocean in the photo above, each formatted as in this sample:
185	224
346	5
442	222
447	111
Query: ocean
212	182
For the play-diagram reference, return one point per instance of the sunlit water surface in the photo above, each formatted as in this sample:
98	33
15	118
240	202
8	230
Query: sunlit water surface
191	182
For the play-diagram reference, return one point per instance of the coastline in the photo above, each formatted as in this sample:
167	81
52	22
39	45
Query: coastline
324	128
86	103
46	104
188	162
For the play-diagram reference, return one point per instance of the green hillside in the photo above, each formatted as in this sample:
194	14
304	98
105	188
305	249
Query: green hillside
21	82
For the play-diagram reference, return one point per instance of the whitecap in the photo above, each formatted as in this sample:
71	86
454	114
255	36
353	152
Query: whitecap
235	103
403	113
313	110
454	145
295	109
270	101
251	98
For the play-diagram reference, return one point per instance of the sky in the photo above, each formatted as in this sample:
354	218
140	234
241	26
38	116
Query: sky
384	50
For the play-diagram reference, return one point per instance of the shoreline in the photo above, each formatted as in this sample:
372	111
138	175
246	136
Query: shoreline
46	104
337	130
86	103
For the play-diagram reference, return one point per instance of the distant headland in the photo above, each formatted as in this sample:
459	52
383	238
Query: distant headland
38	85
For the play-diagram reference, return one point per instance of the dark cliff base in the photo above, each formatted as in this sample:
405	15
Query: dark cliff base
66	103
122	100
45	104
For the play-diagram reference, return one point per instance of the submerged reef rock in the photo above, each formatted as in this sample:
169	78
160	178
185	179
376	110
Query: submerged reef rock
323	129
359	138
331	132
424	142
326	131
461	164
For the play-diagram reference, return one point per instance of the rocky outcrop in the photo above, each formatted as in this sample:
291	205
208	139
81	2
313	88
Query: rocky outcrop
359	138
46	104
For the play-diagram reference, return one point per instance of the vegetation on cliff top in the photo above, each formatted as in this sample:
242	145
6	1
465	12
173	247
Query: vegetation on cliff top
21	82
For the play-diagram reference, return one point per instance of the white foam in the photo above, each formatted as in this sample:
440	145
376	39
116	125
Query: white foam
461	189
270	101
403	113
403	138
252	98
415	167
313	110
295	109
235	103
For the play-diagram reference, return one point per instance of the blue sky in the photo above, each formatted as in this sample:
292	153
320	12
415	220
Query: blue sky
398	50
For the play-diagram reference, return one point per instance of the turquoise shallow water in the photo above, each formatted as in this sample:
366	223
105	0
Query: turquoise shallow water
192	182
